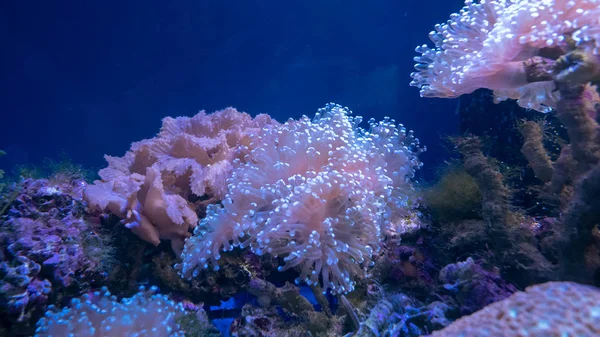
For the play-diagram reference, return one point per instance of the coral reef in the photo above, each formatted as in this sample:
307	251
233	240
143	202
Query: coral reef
399	307
314	227
574	176
548	57
326	223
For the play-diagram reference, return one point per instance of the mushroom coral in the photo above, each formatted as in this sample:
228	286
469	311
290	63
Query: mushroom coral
160	184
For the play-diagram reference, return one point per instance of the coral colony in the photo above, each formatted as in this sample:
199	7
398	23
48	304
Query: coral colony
228	224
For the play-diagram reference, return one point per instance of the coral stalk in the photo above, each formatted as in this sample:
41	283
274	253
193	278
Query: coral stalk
533	150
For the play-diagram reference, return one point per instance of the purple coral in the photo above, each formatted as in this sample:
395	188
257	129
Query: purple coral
56	244
474	287
21	289
47	246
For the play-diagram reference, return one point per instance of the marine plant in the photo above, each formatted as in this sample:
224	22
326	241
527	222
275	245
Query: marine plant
454	197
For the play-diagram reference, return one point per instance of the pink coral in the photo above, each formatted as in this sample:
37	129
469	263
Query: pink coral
317	192
485	44
544	310
157	186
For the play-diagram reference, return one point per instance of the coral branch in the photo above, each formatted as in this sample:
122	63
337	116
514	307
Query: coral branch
533	150
494	193
575	111
514	248
578	223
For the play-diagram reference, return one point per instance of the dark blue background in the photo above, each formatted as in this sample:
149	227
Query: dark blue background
87	78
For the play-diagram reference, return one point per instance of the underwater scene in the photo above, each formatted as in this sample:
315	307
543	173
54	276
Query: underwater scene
298	168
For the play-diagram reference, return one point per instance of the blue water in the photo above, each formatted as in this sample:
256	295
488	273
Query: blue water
87	78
